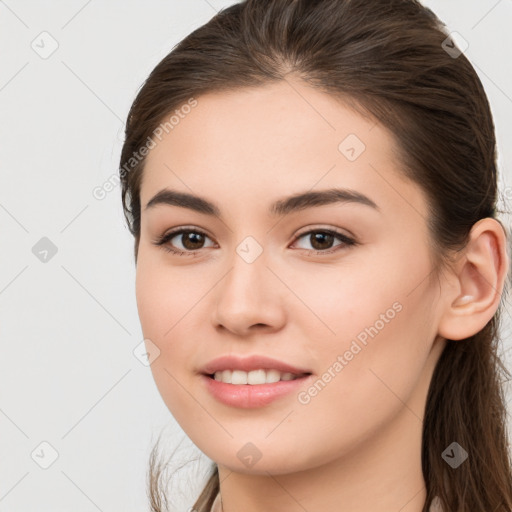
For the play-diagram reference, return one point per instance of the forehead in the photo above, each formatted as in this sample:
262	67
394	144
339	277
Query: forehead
256	145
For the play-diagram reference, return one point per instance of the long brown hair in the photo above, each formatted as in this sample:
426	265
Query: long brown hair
391	60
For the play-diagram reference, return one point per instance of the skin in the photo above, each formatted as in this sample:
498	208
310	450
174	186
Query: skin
356	446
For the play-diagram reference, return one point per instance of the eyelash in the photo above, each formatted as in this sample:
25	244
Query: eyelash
166	237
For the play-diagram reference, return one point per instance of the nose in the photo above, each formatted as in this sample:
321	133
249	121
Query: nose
249	299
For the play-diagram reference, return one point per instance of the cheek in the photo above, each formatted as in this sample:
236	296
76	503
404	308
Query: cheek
377	332
149	294
368	375
167	299
161	306
164	296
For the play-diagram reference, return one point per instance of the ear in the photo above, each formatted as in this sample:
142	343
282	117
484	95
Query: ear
478	281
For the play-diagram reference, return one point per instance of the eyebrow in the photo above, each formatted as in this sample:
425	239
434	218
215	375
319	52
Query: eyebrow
281	207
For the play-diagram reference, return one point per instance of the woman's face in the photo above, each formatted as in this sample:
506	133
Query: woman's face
356	309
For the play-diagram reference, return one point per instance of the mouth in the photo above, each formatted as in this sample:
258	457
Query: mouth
255	388
254	377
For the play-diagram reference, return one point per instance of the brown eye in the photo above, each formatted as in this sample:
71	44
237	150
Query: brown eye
192	240
321	241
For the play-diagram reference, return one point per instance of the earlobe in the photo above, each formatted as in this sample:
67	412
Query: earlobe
479	280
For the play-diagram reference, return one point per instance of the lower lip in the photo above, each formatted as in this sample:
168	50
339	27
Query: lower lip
249	396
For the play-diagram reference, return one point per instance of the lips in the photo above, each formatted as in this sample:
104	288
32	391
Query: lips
247	364
246	396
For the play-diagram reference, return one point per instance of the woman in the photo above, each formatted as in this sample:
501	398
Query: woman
312	189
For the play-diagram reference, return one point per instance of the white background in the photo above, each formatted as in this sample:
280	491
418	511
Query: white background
68	327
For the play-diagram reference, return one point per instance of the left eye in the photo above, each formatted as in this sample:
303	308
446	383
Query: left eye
323	237
192	241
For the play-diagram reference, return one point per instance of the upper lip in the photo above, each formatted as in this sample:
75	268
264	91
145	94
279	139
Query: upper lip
255	362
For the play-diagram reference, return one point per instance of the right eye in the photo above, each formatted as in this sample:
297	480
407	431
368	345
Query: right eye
189	237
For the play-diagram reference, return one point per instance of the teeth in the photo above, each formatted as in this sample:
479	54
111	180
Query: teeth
253	377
